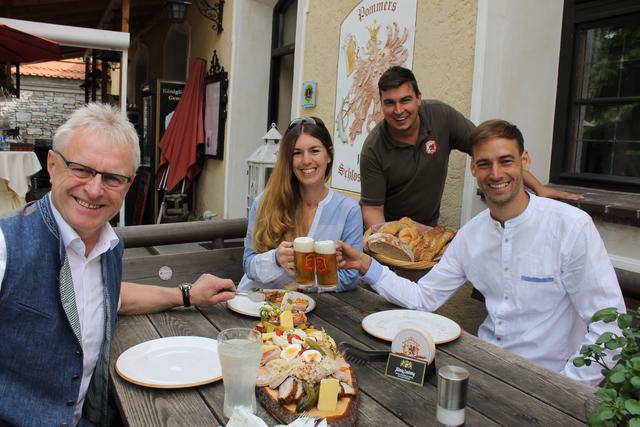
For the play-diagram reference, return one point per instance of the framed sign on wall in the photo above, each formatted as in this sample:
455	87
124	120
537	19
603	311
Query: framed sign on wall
215	109
373	37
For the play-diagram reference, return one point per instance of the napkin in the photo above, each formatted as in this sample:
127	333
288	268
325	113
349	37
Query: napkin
308	422
243	418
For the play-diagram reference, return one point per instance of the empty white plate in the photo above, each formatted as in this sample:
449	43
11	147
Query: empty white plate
386	324
172	362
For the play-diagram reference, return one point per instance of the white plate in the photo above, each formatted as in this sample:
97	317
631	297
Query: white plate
173	362
386	324
243	305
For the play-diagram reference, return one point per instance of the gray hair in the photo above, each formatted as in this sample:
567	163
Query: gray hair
104	120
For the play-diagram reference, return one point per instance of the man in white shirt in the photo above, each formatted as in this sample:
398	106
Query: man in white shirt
60	272
540	264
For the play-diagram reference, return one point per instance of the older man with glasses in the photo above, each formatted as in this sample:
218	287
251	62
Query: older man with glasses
60	272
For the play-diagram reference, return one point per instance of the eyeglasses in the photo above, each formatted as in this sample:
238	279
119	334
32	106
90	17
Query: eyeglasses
305	121
111	180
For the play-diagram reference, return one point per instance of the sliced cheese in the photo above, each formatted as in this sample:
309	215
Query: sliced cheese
328	398
286	320
269	347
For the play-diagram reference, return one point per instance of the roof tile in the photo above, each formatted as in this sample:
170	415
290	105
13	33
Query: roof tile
67	69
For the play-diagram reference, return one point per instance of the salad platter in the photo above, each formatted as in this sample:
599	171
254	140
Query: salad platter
301	369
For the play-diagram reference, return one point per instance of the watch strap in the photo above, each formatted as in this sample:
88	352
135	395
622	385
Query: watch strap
185	288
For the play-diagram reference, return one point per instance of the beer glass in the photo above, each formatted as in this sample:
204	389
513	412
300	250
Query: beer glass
304	260
326	265
239	351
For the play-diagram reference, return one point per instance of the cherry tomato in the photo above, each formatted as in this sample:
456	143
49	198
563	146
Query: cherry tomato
292	336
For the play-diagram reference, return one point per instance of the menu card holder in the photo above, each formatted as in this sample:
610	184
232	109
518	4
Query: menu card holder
412	357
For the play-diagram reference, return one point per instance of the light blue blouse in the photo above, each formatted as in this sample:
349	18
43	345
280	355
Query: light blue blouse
337	218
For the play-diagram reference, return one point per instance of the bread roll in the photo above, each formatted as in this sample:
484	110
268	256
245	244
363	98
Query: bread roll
389	245
392	227
408	222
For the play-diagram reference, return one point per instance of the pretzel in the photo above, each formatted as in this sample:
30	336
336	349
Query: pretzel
431	243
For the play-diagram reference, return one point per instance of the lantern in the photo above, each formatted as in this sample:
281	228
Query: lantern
261	164
177	10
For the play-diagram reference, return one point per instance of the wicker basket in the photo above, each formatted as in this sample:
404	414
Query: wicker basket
407	265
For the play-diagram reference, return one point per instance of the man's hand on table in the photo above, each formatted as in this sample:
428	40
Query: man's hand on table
210	289
144	299
351	258
555	193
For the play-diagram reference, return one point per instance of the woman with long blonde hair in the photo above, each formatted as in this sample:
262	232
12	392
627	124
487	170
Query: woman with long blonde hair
297	202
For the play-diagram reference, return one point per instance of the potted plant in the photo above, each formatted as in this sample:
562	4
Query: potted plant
620	390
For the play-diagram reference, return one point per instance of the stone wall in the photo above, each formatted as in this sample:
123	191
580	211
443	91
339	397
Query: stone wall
44	104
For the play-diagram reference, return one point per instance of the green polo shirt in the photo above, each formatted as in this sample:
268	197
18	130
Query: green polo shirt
409	179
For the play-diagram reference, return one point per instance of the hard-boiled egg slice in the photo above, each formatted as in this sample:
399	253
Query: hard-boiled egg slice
311	356
290	352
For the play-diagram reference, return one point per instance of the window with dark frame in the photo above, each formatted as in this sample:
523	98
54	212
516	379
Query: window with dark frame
282	53
597	126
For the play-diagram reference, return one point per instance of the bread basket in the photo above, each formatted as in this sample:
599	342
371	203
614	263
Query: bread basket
407	265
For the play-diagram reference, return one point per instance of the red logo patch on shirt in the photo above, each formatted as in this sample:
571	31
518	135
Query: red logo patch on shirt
430	147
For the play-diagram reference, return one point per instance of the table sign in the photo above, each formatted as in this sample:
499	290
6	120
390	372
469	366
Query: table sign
412	356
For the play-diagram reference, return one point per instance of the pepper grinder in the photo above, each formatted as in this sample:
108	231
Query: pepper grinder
452	395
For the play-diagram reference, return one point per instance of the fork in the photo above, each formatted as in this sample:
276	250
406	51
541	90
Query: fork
304	417
253	294
360	356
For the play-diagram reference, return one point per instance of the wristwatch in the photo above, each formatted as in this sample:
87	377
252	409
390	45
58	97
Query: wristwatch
185	288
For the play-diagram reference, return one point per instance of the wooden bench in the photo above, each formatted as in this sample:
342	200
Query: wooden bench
222	260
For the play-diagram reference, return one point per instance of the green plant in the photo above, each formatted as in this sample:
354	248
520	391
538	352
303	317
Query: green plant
620	391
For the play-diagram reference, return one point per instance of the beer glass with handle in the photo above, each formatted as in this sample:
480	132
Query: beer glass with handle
239	350
326	265
304	260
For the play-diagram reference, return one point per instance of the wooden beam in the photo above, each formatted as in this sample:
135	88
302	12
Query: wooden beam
125	16
136	236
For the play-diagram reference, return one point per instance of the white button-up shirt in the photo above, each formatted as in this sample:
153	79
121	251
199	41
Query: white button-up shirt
543	275
87	285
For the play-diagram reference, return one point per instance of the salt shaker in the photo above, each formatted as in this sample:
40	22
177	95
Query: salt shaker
452	395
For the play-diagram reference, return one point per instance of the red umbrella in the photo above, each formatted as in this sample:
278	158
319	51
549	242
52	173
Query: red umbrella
17	46
185	132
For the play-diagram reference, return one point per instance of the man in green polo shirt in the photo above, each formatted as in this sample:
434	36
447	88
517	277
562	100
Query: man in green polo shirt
404	160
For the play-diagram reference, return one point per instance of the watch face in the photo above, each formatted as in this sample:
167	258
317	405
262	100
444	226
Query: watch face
165	272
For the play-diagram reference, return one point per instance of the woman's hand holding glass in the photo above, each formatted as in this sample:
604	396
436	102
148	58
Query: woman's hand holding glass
284	256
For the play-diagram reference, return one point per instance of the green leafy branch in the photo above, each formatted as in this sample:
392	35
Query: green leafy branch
620	391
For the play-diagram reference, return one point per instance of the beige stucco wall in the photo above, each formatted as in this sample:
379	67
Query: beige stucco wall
442	63
210	186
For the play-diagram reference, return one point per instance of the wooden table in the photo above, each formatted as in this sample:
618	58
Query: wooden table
504	389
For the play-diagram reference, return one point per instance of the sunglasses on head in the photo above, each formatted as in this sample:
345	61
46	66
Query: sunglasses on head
305	121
